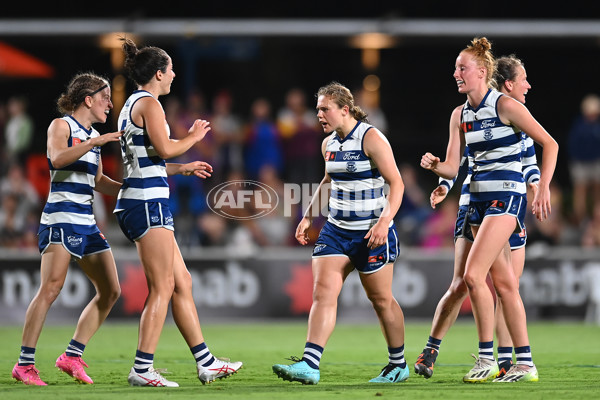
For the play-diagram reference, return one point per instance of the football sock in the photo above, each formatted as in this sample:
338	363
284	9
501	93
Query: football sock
143	361
433	343
75	349
504	354
396	356
312	354
523	354
486	350
202	355
27	356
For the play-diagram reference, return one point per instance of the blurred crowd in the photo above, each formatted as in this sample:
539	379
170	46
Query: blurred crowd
276	147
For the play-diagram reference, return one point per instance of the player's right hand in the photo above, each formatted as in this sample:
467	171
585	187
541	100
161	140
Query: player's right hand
301	231
438	194
199	129
107	137
429	161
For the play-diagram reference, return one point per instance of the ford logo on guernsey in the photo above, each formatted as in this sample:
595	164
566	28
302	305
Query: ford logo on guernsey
242	199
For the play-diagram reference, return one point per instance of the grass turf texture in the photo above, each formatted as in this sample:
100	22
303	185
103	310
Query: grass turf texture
567	356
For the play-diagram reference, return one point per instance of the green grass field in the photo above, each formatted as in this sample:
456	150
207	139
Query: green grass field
567	356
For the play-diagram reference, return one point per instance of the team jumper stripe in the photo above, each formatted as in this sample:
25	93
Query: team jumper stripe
496	149
145	173
357	197
71	187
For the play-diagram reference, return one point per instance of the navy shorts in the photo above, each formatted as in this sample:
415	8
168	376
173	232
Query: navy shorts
461	228
509	205
79	245
518	240
136	221
335	241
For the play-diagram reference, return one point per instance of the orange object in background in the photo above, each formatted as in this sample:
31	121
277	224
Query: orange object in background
38	174
17	63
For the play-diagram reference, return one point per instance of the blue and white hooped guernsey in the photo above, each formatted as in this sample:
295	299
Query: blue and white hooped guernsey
357	188
71	197
531	172
466	162
496	151
144	172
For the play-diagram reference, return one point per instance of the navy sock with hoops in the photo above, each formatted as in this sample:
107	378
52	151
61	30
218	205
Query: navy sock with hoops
312	354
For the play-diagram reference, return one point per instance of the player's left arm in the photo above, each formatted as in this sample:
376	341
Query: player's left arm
377	147
531	171
514	113
201	169
104	184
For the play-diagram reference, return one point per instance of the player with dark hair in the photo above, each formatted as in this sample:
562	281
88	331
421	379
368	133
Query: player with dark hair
68	228
144	216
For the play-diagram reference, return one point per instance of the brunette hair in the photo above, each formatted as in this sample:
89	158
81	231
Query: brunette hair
342	96
81	85
142	64
507	68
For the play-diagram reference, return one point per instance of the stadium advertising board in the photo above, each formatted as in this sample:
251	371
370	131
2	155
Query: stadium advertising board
280	287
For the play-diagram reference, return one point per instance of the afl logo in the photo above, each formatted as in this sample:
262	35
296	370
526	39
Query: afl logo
351	166
242	199
487	134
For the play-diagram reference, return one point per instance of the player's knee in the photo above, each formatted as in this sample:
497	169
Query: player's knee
506	289
381	301
473	281
458	287
111	295
49	291
184	284
162	286
324	293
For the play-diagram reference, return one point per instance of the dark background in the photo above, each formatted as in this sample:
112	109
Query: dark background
418	91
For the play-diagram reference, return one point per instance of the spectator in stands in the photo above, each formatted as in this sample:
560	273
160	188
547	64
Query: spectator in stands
242	231
187	199
591	231
19	129
262	140
368	100
228	135
438	229
16	184
12	222
415	207
193	108
551	232
3	119
301	134
584	157
18	224
276	227
21	207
